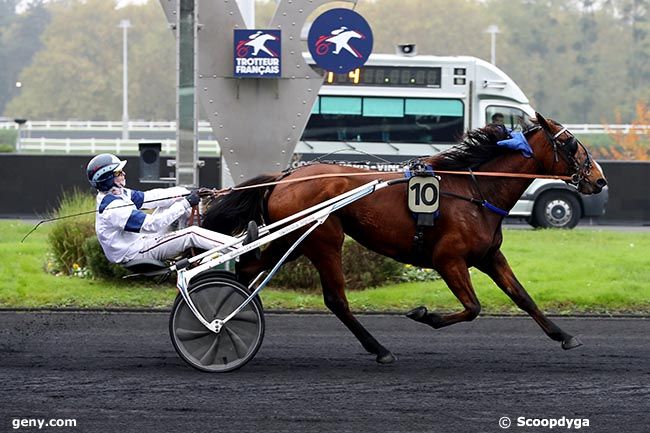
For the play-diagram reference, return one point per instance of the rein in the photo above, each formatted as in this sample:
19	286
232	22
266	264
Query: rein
328	175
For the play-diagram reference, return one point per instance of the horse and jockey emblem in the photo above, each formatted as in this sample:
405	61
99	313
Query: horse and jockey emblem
257	53
340	40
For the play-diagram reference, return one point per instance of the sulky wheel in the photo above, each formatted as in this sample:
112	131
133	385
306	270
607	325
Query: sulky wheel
236	343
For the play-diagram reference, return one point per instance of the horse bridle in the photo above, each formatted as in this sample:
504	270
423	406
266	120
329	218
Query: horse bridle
567	150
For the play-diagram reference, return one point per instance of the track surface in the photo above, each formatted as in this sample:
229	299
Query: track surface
118	372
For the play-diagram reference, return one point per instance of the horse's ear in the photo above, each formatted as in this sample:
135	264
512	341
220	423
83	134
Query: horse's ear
542	122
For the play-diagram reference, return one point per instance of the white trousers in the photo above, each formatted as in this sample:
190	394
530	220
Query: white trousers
175	243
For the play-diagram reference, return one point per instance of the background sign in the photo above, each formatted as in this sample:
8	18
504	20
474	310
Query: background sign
257	53
340	40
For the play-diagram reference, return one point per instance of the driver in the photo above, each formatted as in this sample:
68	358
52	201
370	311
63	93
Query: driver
125	232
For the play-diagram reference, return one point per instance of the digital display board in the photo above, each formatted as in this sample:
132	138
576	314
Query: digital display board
392	76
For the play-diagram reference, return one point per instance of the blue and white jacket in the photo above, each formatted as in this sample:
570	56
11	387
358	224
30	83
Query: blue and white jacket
122	226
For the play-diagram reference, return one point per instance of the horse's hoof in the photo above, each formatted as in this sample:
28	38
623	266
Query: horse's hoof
571	343
386	358
417	314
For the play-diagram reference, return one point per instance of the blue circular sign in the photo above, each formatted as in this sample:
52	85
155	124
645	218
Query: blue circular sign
340	40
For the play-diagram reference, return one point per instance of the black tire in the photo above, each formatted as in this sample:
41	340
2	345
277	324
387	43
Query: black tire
556	209
236	343
532	221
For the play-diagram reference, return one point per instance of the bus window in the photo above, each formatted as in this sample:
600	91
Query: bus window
383	107
509	116
396	120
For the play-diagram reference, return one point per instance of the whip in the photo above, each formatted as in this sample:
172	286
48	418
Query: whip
47	220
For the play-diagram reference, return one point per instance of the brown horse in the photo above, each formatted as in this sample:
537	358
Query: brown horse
466	233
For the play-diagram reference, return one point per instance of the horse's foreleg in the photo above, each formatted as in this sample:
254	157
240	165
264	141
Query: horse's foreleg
496	267
328	263
456	275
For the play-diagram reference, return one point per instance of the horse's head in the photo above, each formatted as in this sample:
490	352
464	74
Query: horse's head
562	154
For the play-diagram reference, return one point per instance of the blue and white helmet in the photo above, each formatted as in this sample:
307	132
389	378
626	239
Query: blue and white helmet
101	171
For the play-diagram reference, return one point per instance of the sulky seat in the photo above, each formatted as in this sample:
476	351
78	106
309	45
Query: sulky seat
145	266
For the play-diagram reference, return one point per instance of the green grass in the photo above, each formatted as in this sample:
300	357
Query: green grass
585	270
24	282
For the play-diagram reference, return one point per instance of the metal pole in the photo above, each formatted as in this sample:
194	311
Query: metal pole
187	164
18	143
124	25
493	30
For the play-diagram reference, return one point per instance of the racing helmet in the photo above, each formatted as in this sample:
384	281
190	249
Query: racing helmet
101	170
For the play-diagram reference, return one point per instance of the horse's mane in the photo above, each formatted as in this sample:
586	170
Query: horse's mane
476	148
231	213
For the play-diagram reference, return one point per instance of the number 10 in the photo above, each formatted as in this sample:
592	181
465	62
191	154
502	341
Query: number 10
426	194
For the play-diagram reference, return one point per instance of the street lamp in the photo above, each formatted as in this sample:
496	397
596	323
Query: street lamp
125	25
493	30
20	123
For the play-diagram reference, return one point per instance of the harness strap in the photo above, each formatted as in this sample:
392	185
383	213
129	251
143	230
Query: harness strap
486	204
483	202
564	129
195	214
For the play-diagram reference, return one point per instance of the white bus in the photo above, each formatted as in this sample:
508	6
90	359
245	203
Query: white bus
401	106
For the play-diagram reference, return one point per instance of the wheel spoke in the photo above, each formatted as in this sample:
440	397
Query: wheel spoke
240	347
203	303
186	319
224	302
211	353
191	334
245	316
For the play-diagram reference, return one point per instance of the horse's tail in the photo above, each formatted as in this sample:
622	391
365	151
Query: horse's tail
230	213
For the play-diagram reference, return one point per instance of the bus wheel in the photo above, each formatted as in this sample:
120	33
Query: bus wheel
556	209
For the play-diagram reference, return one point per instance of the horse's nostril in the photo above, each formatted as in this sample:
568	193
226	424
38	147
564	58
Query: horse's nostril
601	182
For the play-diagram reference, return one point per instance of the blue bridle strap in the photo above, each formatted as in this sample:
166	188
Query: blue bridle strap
497	210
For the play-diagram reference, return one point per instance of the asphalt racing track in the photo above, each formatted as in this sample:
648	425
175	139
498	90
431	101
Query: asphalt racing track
118	372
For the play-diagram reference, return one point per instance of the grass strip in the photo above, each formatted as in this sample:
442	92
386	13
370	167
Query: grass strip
565	271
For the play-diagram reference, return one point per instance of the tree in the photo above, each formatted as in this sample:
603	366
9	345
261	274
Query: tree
570	57
438	27
635	17
633	145
78	73
583	78
152	63
19	40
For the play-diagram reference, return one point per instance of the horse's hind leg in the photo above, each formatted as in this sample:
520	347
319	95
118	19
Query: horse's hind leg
456	275
323	249
496	267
